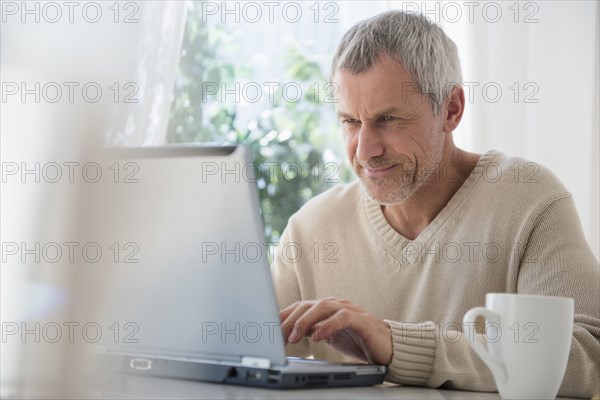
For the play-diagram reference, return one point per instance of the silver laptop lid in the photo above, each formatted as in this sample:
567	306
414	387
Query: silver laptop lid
188	272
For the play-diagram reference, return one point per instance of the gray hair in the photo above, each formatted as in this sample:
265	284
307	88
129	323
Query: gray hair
411	40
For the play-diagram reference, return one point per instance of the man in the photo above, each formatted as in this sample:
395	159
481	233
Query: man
385	268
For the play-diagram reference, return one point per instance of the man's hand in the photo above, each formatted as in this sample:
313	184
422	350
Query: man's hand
343	325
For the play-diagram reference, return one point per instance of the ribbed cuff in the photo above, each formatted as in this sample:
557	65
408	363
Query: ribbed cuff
413	352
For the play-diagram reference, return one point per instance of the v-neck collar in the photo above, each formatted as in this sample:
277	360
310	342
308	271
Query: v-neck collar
396	242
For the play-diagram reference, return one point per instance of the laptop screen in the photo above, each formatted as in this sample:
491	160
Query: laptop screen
186	273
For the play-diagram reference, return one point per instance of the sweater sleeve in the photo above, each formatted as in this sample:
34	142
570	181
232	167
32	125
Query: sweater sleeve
422	356
287	289
555	262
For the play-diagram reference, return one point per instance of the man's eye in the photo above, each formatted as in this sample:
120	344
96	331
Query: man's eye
388	118
350	121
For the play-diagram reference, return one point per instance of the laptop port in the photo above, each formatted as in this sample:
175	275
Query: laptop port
254	375
232	373
317	380
342	377
141	364
273	376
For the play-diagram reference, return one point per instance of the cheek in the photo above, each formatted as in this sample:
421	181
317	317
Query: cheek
350	143
412	139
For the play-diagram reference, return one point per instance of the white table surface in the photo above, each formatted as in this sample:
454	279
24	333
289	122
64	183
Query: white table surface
122	386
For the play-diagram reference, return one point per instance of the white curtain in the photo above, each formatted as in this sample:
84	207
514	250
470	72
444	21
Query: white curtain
547	69
151	68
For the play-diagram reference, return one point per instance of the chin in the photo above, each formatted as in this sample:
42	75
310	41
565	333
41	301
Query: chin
386	193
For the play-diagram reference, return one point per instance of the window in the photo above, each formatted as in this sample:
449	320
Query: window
258	74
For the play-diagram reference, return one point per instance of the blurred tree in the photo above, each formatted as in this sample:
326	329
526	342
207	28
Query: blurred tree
287	139
199	65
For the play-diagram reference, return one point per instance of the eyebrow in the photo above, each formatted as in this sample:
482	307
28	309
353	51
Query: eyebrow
344	115
389	110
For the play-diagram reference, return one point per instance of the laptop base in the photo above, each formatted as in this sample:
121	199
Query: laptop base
237	374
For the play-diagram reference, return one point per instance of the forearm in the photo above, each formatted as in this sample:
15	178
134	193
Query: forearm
424	356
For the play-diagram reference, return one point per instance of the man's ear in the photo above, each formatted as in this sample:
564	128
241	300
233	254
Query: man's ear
453	108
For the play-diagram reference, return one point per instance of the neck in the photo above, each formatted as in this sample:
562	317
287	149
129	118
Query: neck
411	216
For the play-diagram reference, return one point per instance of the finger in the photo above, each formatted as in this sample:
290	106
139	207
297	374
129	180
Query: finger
283	314
305	322
288	323
341	319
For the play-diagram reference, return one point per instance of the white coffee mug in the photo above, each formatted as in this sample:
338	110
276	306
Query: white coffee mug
528	342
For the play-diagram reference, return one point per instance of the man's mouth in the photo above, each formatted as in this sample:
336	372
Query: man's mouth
378	172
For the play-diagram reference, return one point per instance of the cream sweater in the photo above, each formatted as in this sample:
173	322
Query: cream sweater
511	227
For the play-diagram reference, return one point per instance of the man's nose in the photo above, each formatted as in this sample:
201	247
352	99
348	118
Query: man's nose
370	143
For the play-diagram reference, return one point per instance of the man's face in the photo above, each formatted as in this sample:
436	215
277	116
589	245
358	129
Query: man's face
392	137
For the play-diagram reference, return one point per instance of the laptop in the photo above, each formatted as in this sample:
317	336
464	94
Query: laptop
187	291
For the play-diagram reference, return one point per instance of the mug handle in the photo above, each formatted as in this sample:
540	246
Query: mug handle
498	369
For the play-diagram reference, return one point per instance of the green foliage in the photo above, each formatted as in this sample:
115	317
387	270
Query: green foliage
286	138
200	66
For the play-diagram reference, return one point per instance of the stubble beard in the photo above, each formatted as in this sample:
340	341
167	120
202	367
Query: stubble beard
407	176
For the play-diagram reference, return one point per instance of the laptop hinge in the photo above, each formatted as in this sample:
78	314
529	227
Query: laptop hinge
256	362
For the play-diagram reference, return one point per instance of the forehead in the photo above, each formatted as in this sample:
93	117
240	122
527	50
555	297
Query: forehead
385	84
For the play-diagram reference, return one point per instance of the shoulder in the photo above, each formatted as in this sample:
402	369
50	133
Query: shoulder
510	177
